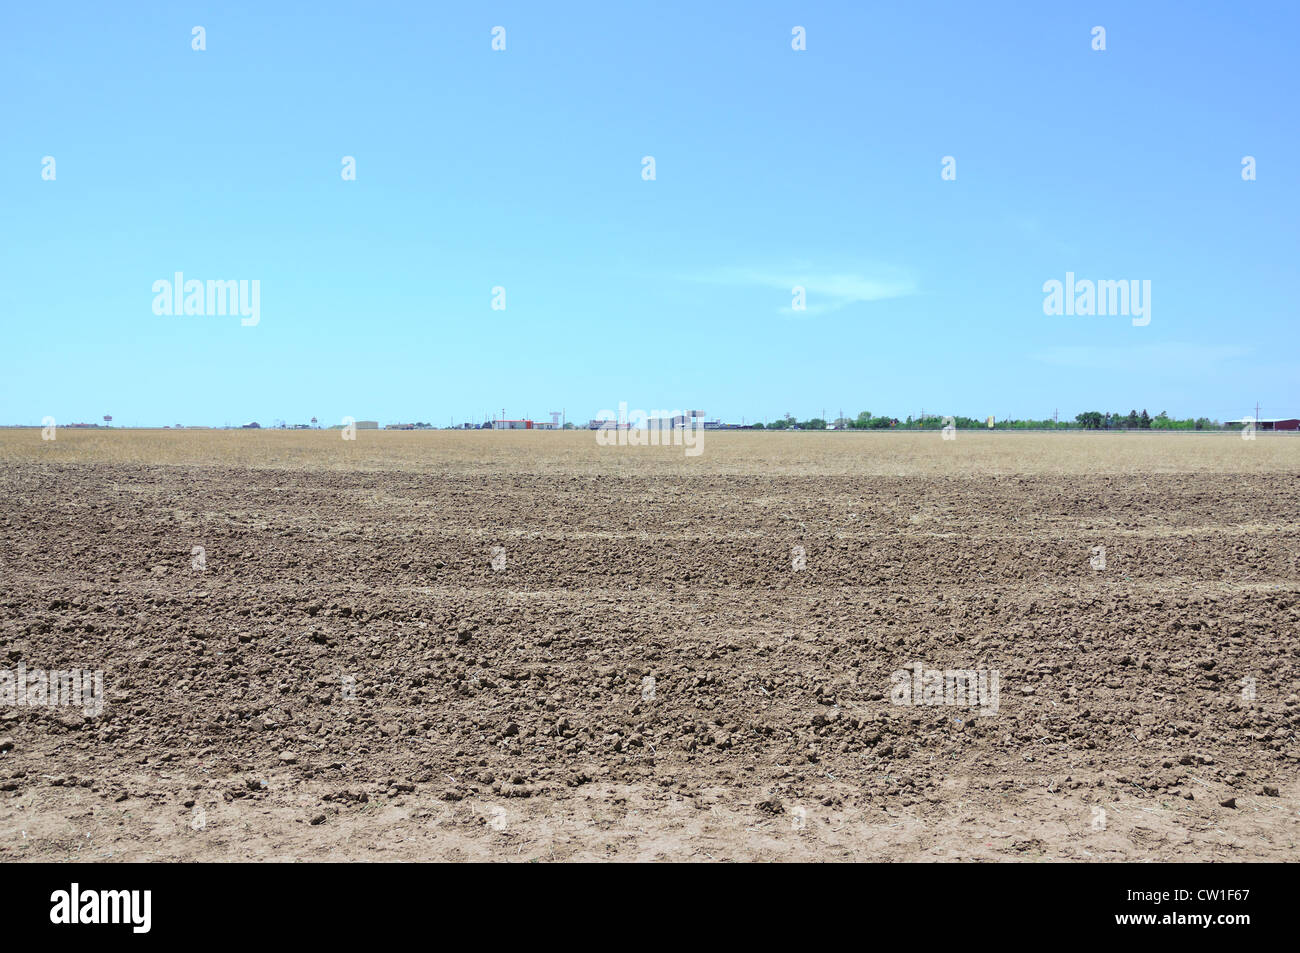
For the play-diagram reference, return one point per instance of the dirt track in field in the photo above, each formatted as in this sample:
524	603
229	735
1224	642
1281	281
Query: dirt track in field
350	677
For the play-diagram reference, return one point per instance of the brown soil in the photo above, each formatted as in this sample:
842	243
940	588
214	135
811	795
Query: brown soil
350	678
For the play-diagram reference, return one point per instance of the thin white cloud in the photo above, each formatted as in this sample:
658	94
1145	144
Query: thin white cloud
824	291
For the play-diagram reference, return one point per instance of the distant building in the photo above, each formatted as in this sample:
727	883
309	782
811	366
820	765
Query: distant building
512	425
670	423
1267	423
367	425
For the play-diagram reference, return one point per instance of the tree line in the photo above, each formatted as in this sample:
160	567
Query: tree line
1088	420
1097	420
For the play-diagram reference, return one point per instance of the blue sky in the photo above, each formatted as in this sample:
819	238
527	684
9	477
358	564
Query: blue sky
523	169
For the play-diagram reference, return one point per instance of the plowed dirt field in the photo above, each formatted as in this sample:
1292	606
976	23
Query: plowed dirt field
525	646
